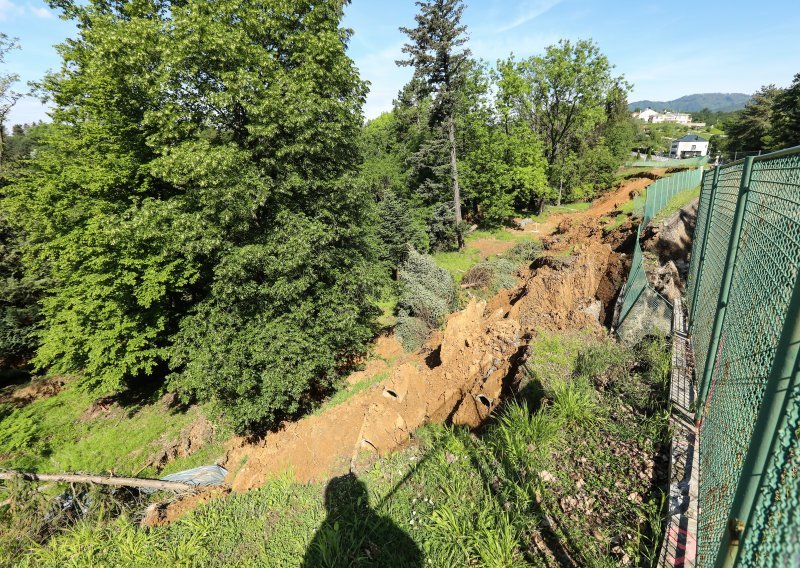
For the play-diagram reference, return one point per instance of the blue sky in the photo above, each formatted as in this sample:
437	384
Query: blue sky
665	49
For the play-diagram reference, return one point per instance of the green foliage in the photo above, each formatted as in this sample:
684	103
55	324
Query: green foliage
383	168
194	203
569	97
19	299
400	227
412	331
491	275
525	251
435	51
770	121
787	116
428	295
752	128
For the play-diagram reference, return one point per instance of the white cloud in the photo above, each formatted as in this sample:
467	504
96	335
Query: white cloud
528	11
41	12
9	10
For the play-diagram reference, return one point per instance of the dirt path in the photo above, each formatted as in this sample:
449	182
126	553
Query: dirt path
601	207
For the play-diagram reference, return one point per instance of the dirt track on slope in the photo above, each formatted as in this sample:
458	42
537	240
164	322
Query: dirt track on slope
463	372
459	377
601	207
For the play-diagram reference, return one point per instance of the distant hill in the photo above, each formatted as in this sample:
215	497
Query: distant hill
723	102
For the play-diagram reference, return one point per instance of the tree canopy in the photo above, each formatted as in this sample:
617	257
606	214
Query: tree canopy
195	202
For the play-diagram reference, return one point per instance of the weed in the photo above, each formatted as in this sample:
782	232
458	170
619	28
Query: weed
554	474
574	402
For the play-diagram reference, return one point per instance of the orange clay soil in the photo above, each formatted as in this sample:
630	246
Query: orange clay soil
602	206
464	370
467	368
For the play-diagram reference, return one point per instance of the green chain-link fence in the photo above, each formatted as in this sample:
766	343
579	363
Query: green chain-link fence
743	294
643	309
682	163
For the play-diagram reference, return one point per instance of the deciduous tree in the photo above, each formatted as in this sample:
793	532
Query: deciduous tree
195	202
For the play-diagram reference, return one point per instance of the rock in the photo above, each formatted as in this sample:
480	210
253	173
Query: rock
672	238
668	281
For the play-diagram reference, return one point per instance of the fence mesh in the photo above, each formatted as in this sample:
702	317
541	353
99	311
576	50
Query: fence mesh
644	310
670	163
721	219
699	234
763	275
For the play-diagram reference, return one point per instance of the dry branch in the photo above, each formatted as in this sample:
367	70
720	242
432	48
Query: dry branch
156	484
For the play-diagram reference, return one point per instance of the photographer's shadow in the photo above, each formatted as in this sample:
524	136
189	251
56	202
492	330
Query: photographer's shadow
355	535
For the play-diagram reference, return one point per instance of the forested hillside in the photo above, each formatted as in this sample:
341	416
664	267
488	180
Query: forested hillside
715	102
208	210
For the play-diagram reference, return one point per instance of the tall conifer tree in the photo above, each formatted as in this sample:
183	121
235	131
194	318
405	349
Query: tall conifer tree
435	52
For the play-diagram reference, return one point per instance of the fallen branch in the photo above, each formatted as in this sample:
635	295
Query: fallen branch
156	484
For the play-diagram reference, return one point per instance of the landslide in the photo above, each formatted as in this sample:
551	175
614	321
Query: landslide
463	372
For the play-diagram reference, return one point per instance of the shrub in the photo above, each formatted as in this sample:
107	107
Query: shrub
413	332
525	251
428	295
491	275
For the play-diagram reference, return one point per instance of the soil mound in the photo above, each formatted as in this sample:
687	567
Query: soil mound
477	360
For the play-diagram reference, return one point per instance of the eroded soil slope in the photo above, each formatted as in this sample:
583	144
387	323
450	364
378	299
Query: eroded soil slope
461	374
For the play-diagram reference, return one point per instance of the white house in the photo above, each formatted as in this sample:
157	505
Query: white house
649	115
645	115
676	117
690	146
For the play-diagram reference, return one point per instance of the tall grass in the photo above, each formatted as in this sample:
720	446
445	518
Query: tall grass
500	497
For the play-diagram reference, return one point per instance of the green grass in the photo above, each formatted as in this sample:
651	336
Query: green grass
52	435
452	498
676	203
459	262
388	307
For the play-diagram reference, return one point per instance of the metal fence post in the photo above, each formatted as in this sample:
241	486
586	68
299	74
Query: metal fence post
782	380
725	289
702	258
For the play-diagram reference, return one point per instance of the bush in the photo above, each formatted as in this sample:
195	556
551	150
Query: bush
413	332
525	251
491	275
428	295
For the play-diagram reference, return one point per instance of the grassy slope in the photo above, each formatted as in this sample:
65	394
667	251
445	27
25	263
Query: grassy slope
558	469
676	203
52	435
459	262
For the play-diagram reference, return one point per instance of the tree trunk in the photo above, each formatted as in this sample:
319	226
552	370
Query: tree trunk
101	480
560	191
451	132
